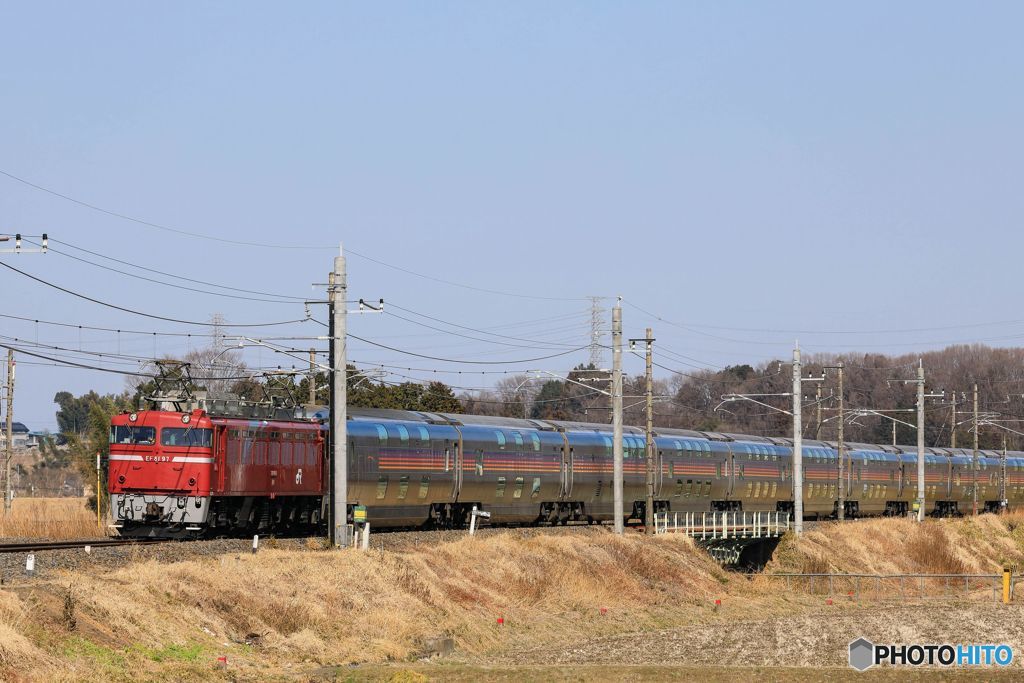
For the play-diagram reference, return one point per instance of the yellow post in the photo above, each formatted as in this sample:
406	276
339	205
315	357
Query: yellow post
1007	584
99	497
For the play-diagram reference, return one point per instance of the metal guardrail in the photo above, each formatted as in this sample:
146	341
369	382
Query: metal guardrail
889	586
723	525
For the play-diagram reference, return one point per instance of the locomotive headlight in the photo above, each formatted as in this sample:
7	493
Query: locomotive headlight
185	419
133	417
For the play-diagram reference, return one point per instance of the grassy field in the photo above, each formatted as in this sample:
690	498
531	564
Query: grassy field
56	518
583	607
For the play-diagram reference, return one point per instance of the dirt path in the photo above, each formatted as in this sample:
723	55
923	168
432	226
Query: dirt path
816	639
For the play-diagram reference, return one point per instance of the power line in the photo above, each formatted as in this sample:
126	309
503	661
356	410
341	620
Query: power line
265	245
473	362
146	315
171	284
533	343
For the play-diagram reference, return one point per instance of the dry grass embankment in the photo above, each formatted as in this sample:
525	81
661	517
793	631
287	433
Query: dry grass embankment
308	608
285	612
56	518
969	545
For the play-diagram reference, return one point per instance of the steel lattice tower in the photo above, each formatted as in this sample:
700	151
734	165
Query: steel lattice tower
596	332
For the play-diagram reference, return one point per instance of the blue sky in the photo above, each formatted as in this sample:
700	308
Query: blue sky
772	166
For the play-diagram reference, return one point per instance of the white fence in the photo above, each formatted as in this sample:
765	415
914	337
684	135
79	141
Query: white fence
715	525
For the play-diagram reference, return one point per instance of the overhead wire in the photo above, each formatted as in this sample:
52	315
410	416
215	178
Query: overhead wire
266	245
171	284
141	313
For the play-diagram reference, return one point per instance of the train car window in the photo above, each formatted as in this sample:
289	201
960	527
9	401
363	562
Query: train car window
518	438
707	489
501	439
750	487
607	446
518	492
679	488
403	486
403	433
718	468
679	446
535	491
671	469
500	491
447	459
480	463
775	486
536	442
143	436
742	471
186	438
382	487
382	434
424	435
757	490
424	487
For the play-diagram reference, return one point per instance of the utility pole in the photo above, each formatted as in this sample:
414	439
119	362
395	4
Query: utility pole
649	433
974	460
952	429
312	378
1002	478
798	455
617	417
817	402
336	291
841	446
920	441
9	454
842	449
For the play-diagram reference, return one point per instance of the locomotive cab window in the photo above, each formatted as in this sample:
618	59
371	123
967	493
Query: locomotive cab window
141	436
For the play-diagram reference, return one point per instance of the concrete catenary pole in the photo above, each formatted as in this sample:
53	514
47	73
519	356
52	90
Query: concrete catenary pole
841	507
9	430
617	418
974	460
952	431
649	436
339	405
817	402
798	455
920	441
312	378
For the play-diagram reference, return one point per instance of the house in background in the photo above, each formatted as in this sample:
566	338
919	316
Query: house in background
20	434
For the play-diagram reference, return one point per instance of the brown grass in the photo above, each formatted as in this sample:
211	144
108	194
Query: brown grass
308	608
56	518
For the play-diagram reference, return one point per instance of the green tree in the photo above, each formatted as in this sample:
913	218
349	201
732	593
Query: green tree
89	435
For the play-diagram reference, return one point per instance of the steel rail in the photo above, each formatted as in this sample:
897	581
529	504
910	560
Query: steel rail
76	544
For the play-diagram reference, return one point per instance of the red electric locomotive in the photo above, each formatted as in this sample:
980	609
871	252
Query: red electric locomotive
183	473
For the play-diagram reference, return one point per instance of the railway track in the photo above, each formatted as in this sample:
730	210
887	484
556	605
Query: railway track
34	546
